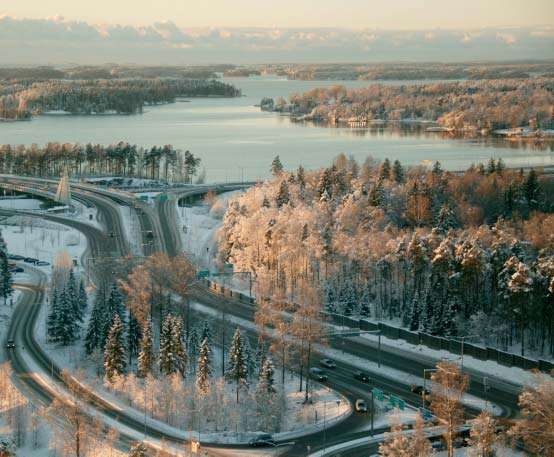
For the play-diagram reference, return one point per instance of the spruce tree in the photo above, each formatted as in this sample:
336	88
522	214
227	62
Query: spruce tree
146	354
115	359
301	177
250	356
114	306
267	380
384	170
276	166
283	195
83	298
73	298
68	325
6	278
397	172
238	368
134	335
52	324
167	362
207	333
178	346
193	346
205	371
95	329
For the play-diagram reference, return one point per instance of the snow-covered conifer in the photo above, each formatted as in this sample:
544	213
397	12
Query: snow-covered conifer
115	360
205	371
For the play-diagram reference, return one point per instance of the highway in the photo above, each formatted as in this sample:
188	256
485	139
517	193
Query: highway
164	225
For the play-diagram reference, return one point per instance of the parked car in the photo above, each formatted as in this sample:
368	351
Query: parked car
362	376
263	439
42	263
10	344
318	374
327	363
419	390
360	406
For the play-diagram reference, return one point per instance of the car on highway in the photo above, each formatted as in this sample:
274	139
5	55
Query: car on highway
438	446
360	406
362	376
30	260
17	270
15	257
419	390
10	344
263	439
318	374
111	235
149	234
327	363
42	263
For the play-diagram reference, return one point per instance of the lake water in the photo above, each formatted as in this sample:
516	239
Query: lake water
236	141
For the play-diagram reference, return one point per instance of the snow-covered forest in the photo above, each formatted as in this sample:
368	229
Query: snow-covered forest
450	254
479	105
20	99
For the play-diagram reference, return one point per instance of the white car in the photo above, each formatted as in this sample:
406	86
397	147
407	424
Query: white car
360	406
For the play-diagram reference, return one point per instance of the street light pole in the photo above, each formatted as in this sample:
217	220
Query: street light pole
425	371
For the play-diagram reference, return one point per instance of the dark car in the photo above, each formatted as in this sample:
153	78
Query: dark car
42	263
438	446
327	363
18	270
318	374
10	344
111	235
362	376
30	260
149	234
419	390
263	439
15	257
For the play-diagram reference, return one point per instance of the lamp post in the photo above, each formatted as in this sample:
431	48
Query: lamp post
425	371
198	412
462	339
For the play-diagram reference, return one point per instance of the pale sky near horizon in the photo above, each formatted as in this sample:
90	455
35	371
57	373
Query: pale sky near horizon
381	14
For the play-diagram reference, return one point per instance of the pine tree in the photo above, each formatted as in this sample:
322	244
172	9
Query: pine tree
146	354
6	278
114	306
205	370
276	166
266	203
531	189
301	177
73	297
376	195
115	360
384	170
238	369
397	172
491	167
324	186
283	195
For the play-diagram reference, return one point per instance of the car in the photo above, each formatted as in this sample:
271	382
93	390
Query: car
318	374
419	390
30	260
263	439
149	234
438	446
459	442
18	270
362	376
42	263
15	257
327	363
360	406
10	344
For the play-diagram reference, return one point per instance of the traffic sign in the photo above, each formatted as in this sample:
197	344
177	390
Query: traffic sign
203	274
163	198
397	402
426	414
144	198
378	394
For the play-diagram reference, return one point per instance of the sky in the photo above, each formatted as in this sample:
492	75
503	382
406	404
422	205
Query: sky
382	14
184	32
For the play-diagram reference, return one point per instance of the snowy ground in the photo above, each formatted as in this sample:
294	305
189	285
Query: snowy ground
131	226
20	203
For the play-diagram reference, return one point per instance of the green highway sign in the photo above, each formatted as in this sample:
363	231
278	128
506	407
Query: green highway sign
144	198
163	198
203	274
397	402
378	394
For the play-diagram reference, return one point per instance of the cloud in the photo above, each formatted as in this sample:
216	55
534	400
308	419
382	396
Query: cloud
57	40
